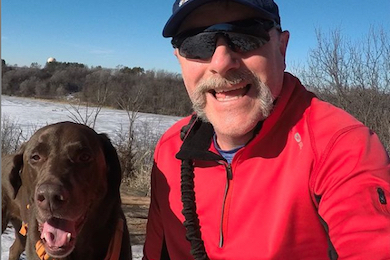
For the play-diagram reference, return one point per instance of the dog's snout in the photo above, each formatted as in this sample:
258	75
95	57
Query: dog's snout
51	196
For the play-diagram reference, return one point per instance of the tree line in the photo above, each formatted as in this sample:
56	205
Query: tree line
157	92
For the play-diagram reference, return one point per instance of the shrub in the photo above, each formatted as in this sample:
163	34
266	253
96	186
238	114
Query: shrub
11	136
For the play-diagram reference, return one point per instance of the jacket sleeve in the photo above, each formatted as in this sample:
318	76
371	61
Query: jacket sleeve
154	241
351	186
154	228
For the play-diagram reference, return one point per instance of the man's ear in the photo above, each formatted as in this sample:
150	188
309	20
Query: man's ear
284	37
176	52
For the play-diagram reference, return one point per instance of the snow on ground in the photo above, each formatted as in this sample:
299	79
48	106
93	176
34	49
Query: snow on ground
31	114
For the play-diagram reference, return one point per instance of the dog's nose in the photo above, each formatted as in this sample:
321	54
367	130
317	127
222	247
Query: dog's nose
51	196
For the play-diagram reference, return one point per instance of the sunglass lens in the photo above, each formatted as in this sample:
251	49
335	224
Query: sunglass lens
200	46
244	43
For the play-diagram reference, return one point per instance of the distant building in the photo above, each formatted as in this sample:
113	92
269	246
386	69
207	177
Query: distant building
51	59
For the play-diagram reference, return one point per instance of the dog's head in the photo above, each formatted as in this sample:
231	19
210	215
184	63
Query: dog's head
66	171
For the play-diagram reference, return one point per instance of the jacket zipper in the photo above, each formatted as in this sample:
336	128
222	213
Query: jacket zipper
229	178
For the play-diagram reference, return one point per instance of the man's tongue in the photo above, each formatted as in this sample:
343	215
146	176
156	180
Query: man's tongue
57	233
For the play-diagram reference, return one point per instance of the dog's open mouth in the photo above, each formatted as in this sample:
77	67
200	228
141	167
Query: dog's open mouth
59	236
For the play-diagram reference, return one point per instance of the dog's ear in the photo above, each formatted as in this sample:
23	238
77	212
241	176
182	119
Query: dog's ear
114	174
14	177
14	166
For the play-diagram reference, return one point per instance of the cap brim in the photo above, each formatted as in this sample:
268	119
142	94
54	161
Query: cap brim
174	22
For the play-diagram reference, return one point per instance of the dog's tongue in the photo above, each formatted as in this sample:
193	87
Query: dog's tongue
57	232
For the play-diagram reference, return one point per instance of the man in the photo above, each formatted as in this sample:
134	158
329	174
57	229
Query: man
263	169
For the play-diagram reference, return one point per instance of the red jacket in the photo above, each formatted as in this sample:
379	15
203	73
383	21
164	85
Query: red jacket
314	183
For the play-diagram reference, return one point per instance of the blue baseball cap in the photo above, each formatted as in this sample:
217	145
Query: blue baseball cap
268	9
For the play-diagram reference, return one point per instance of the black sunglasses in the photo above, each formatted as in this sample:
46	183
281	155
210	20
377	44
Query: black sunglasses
241	36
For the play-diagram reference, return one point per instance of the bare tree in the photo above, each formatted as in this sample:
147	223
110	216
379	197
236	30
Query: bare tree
354	76
95	94
126	143
84	113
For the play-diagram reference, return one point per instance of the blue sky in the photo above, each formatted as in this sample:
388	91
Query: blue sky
128	32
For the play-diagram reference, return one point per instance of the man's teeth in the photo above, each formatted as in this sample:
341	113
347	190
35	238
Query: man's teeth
227	98
230	94
68	237
228	90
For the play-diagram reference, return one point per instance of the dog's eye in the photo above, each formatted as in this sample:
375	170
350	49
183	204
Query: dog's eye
35	157
84	157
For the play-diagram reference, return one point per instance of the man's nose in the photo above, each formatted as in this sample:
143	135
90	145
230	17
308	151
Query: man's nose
224	58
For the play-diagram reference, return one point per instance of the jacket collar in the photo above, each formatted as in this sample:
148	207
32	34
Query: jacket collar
197	138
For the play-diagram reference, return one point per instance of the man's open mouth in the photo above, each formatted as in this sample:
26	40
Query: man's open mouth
230	94
59	235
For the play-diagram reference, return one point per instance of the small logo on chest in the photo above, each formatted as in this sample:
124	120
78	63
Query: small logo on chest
298	139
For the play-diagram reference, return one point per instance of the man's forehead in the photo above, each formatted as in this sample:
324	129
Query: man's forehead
217	12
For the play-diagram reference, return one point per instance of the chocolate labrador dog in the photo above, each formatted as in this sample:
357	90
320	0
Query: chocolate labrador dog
64	185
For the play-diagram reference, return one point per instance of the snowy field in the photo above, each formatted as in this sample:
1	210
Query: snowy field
32	114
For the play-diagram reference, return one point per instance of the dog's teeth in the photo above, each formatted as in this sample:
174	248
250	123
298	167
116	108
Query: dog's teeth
68	236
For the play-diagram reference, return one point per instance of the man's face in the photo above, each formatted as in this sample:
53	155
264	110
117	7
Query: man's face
232	90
